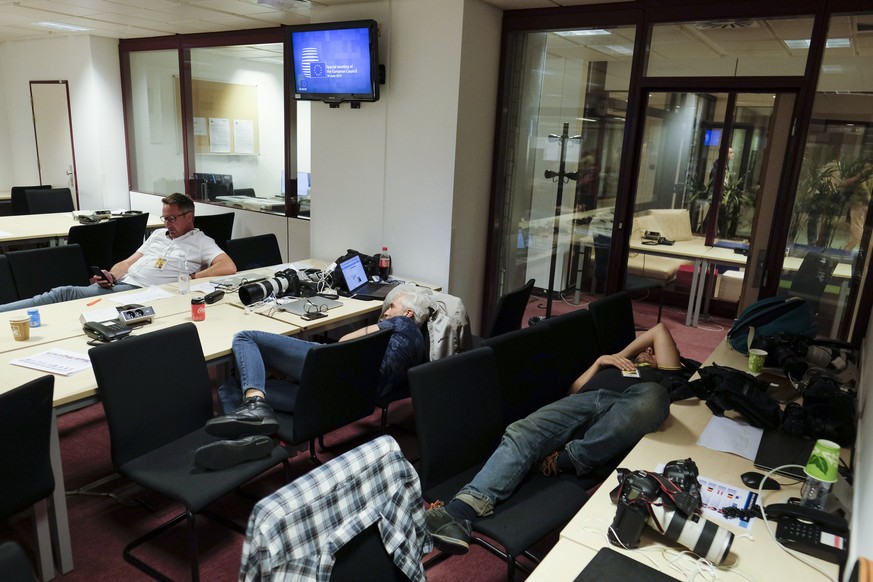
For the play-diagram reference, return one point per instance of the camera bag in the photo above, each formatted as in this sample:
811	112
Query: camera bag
771	316
725	388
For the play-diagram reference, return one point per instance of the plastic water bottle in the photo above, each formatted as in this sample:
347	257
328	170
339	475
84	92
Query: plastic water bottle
384	264
184	279
814	493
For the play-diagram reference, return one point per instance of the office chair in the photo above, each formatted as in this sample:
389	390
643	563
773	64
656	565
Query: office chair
250	192
218	227
812	278
130	233
463	388
19	200
28	480
508	313
96	241
256	251
39	270
339	509
153	442
337	387
614	321
8	291
602	247
14	563
45	201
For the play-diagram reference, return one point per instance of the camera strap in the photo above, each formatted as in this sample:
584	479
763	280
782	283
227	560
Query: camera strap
684	502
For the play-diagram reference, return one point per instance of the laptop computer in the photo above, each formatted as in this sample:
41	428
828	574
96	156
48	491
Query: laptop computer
358	285
777	449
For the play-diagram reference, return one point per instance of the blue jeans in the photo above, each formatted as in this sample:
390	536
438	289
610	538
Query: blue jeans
592	426
65	293
254	352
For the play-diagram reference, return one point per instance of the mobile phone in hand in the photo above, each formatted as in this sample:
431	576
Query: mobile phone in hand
102	274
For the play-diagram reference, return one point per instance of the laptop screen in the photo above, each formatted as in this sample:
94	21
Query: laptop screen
353	273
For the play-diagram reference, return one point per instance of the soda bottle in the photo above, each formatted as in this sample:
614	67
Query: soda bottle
384	264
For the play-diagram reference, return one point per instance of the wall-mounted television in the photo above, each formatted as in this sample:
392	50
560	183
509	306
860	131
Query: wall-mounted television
335	61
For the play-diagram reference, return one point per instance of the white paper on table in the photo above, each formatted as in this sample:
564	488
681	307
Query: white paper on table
731	436
56	361
4	233
143	297
204	287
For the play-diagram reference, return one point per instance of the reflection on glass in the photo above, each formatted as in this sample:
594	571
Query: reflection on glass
238	130
579	78
155	140
730	48
829	227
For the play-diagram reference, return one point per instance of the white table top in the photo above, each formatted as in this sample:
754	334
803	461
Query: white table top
46	226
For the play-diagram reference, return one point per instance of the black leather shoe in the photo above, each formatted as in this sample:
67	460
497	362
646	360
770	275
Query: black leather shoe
253	416
223	454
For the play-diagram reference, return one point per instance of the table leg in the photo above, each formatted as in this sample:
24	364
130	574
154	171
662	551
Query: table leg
692	294
701	287
60	519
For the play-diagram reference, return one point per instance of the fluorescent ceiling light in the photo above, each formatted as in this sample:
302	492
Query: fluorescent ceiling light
619	49
803	43
61	26
588	32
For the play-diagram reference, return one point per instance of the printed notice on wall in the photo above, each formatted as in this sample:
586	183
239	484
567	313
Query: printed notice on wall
219	135
243	136
200	126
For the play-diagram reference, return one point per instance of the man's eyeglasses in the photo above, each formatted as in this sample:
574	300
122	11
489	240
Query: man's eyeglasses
314	308
172	219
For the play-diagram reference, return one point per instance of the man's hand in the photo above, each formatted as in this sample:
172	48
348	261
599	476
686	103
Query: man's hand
104	279
617	361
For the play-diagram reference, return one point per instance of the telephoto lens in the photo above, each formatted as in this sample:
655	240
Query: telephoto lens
284	283
695	532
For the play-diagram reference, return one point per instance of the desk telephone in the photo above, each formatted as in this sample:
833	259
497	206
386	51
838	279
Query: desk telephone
107	331
811	531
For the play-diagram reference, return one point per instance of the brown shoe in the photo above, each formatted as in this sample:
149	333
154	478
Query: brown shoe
549	465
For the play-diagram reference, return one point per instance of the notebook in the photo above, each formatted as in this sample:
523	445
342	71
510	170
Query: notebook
777	449
357	283
304	306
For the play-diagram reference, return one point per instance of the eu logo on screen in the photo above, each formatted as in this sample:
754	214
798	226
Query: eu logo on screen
317	69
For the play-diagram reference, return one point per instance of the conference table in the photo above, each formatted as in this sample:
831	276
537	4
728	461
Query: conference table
53	227
61	332
754	555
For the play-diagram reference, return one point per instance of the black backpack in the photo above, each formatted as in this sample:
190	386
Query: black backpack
725	388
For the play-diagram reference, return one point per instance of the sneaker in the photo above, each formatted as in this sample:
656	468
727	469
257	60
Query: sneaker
253	416
449	535
227	453
549	465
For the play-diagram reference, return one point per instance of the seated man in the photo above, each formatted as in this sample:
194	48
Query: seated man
578	433
254	351
156	262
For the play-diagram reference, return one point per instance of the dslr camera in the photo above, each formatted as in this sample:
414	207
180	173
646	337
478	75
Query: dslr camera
669	503
284	283
655	238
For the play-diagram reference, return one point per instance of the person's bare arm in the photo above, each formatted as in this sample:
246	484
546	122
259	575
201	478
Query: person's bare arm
614	360
360	332
117	271
661	341
221	265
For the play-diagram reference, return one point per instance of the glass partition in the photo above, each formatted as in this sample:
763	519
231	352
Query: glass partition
561	168
154	127
237	100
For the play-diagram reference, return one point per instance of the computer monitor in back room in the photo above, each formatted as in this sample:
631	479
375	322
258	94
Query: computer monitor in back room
303	183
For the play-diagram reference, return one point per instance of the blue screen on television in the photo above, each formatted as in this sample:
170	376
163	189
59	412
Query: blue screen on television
332	62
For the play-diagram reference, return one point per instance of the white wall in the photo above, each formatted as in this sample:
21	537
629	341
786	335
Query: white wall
5	142
862	538
90	65
412	171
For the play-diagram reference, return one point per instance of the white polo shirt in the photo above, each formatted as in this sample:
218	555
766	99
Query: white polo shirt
163	258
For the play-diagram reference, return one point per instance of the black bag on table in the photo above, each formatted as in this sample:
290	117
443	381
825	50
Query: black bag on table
725	388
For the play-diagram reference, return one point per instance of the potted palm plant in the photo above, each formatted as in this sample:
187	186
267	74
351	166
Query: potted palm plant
735	198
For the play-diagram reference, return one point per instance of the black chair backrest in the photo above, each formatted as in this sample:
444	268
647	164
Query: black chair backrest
510	310
338	385
250	192
19	200
45	201
129	235
25	428
8	291
523	364
256	251
14	563
219	227
38	270
148	406
365	553
457	413
96	241
812	278
614	320
572	344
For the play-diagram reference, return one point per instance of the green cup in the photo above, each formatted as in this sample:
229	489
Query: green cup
756	360
823	461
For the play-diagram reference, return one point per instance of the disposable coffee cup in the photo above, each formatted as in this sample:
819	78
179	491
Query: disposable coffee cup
823	461
756	360
20	328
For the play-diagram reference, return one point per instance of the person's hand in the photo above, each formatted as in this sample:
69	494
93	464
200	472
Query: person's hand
616	361
106	280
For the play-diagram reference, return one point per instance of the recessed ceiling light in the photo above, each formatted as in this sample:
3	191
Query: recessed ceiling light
61	26
838	43
588	32
798	43
803	43
619	49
